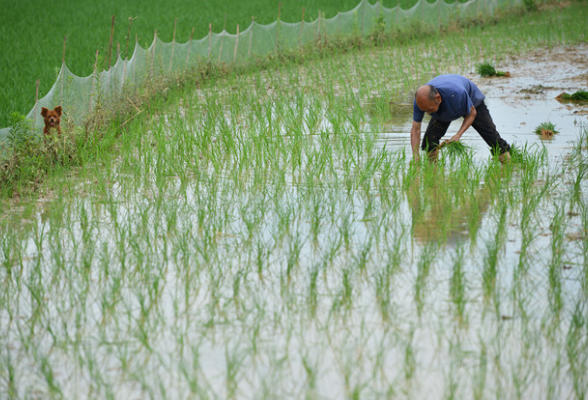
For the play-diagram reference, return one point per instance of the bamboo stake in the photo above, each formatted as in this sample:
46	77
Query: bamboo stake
319	26
209	40
153	55
124	76
301	27
135	69
129	37
173	45
250	37
277	45
63	57
110	42
362	16
94	75
236	45
189	48
62	65
220	51
36	100
438	15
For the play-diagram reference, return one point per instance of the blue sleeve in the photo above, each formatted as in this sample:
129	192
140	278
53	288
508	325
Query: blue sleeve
417	114
467	102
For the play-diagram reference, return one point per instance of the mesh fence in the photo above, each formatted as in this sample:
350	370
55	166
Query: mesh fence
79	95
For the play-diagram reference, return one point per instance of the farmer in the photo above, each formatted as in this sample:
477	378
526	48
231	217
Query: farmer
447	98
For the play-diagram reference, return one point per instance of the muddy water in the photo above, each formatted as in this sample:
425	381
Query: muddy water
520	103
221	327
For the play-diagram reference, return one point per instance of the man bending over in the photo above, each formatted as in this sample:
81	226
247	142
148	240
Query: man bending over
447	98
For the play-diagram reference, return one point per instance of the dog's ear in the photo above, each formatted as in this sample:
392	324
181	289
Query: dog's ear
44	111
58	110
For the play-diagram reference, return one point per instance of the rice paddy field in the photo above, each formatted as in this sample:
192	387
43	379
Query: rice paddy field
265	235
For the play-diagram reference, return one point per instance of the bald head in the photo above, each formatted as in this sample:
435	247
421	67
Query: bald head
428	99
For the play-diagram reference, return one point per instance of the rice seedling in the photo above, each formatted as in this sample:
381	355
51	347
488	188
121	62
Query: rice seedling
546	130
580	95
272	243
487	69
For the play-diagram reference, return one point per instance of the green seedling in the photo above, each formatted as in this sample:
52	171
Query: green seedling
580	95
487	69
546	130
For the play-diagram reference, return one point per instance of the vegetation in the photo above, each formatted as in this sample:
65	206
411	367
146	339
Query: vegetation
579	95
256	233
487	69
32	39
546	130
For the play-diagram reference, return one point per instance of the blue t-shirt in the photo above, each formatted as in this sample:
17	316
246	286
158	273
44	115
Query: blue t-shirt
458	95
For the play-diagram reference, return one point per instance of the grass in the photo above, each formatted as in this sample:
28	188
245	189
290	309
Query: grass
238	240
28	34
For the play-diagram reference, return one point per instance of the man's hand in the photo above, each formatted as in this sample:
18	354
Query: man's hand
415	140
453	139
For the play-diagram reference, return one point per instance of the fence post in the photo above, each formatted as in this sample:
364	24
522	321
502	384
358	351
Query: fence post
110	42
250	37
362	17
319	27
153	55
128	38
189	48
135	69
438	15
236	46
124	76
171	59
277	45
94	75
36	100
62	64
220	50
209	39
301	27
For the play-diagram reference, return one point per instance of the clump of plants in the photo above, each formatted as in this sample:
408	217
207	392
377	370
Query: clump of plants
29	155
580	95
487	69
546	130
454	148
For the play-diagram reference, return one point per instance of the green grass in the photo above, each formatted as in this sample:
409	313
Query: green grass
32	36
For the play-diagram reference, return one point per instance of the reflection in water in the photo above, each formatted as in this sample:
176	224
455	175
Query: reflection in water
443	209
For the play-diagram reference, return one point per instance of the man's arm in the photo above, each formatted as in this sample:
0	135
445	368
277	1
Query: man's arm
415	139
468	120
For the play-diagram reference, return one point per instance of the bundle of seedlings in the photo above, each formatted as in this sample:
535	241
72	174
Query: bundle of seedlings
546	130
454	148
580	95
487	69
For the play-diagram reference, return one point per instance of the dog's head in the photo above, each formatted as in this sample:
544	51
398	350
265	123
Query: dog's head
52	117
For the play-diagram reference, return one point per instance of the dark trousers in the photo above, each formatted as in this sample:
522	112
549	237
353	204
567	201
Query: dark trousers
483	124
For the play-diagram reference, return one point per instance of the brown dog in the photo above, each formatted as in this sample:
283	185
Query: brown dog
52	119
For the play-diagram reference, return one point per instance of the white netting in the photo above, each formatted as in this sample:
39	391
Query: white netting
78	95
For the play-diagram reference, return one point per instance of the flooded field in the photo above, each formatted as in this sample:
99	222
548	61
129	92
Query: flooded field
269	238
